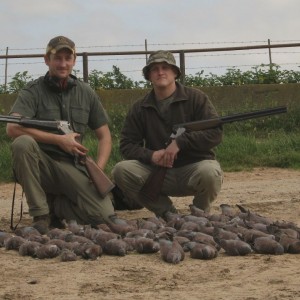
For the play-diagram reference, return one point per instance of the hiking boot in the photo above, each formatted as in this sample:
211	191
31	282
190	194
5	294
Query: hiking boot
120	202
55	222
170	214
41	223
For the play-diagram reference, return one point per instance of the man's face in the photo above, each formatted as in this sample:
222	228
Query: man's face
162	74
61	63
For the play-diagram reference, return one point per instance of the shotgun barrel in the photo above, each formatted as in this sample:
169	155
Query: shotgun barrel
215	122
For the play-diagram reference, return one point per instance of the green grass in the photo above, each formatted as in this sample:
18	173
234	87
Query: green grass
239	151
265	142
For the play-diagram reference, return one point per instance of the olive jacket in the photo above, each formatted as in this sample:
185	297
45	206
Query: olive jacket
146	130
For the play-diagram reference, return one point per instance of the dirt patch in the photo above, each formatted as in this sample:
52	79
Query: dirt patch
274	193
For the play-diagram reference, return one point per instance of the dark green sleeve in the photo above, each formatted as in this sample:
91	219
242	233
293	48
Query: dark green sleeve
26	103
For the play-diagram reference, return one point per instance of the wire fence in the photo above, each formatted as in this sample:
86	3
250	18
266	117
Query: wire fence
130	59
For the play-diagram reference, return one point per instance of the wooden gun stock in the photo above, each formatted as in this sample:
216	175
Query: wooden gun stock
102	183
151	189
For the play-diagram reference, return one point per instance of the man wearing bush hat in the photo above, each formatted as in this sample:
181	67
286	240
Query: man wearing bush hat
45	164
192	169
160	57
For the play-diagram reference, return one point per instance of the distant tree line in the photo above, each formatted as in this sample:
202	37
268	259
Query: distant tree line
263	74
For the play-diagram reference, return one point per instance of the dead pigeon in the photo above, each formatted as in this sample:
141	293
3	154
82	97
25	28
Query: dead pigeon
42	239
158	221
198	220
77	238
75	228
120	229
252	216
57	233
171	251
289	244
266	245
90	232
235	247
181	240
203	238
13	243
29	248
89	251
102	237
144	224
141	233
4	236
220	233
67	255
104	227
294	248
47	251
115	247
173	219
227	210
203	251
26	231
131	243
195	211
219	218
250	235
277	231
59	243
257	226
146	245
189	225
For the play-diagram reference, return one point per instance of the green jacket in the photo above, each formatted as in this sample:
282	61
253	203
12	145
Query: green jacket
76	103
145	130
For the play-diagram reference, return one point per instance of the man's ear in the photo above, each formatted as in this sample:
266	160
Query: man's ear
46	59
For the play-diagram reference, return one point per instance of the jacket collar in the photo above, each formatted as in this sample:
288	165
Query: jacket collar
179	95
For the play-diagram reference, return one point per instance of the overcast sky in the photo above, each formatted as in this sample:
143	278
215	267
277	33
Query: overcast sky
26	26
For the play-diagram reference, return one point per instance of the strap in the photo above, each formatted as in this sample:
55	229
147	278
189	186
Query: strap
12	227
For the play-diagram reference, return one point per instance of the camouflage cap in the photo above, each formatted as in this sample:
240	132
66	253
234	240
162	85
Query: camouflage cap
60	42
158	57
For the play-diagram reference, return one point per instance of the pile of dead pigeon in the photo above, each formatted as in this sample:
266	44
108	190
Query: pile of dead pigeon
235	232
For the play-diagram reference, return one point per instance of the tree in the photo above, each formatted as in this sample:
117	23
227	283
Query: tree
18	82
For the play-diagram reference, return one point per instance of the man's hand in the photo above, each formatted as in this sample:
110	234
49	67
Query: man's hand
66	142
69	144
165	157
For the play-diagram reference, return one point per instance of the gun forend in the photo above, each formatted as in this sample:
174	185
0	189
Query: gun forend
215	122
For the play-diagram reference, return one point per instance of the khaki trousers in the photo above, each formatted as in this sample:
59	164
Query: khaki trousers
203	180
73	196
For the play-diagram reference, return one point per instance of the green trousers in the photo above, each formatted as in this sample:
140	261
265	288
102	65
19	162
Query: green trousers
203	180
59	185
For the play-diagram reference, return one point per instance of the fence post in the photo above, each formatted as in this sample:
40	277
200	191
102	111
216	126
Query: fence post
5	75
85	66
182	66
146	49
270	55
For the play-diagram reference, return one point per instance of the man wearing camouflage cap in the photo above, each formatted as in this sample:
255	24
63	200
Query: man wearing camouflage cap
192	169
55	185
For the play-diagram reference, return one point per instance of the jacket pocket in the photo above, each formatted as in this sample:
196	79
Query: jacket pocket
80	119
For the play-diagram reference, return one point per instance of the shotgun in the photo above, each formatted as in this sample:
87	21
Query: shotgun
102	183
151	189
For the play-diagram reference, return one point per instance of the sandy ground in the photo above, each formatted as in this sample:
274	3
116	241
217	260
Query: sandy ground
274	193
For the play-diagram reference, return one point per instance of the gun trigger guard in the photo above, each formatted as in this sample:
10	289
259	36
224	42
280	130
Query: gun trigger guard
81	160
